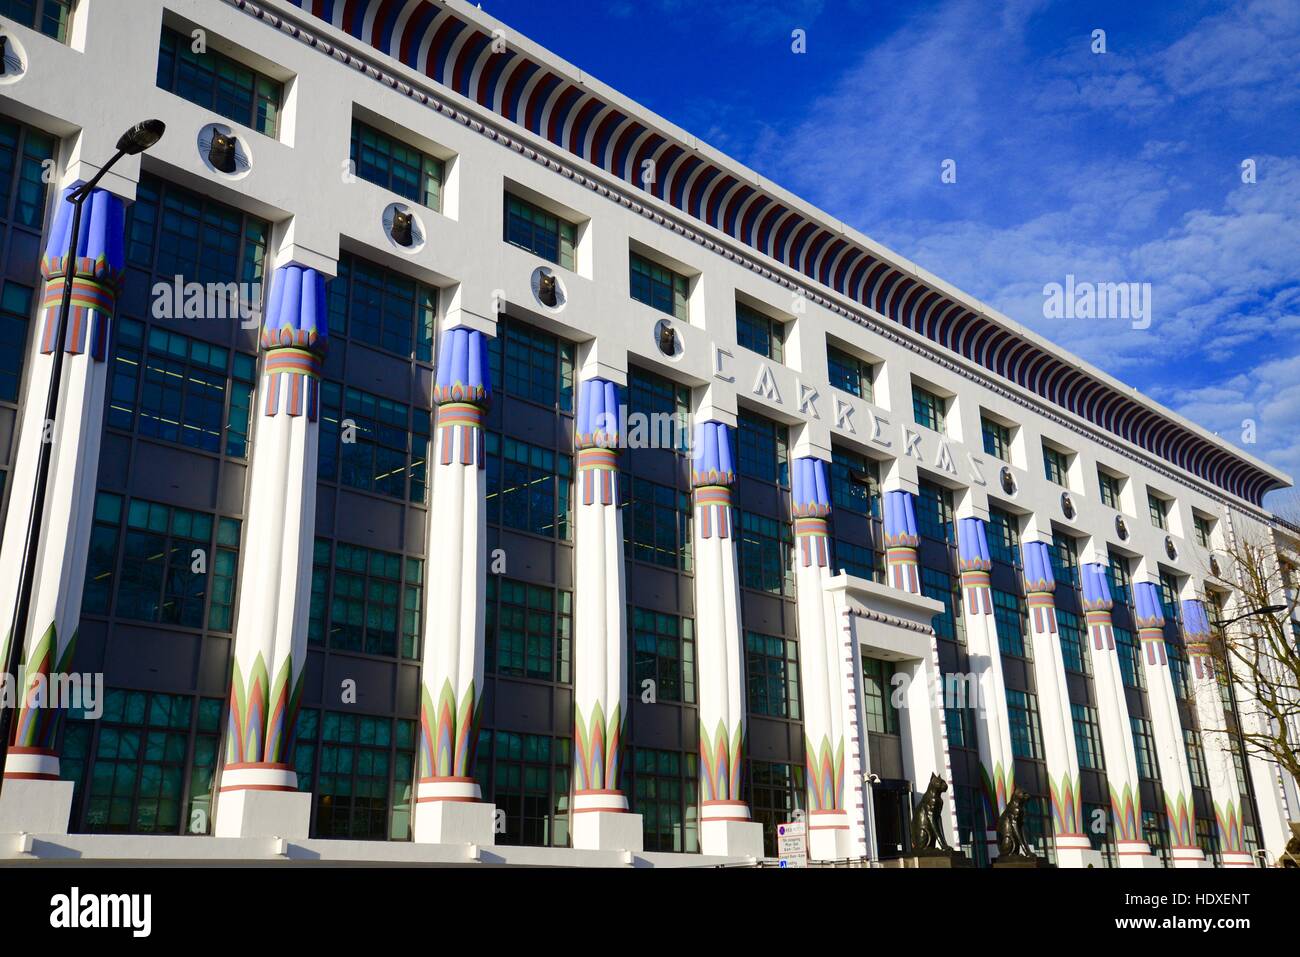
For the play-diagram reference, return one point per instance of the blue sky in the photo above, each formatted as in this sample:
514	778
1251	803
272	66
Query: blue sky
1117	167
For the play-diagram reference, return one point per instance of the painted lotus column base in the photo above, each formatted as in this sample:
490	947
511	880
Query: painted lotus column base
258	799
1077	852
450	810
828	836
35	806
1189	857
731	838
607	831
1238	859
1136	855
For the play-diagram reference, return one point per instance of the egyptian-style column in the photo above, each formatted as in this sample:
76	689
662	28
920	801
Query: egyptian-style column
1073	848
1131	848
601	820
1175	776
34	797
258	787
449	807
992	730
1219	768
901	541
725	827
819	644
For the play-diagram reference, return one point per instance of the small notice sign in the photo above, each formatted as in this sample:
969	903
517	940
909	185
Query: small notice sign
792	844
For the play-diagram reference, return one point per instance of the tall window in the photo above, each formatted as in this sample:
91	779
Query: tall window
219	83
530	364
878	696
664	652
527	776
175	567
15	309
1074	641
945	588
1064	552
1121	579
656	523
544	234
764	448
1204	530
51	17
1026	733
1130	657
360	771
1195	758
168	386
366	600
1156	834
1087	736
765	545
372	443
376	305
929	409
1169	597
1011	618
1144	747
1003	533
855	482
664	789
772	669
389	163
529	630
997	439
659	287
23	154
776	791
1158	508
934	513
1109	486
1056	465
760	333
861	561
528	487
666	406
850	374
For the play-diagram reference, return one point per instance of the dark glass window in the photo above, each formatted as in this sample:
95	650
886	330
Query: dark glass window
1011	618
371	443
1195	758
51	17
772	667
1144	747
366	600
527	776
532	228
1130	658
376	305
528	487
929	409
15	310
1003	533
530	364
1158	508
1169	597
1204	529
1156	834
764	448
764	547
1207	839
878	696
24	153
664	790
1056	465
389	163
659	287
1074	641
529	630
760	333
997	439
945	588
776	791
666	406
850	374
1026	733
216	82
934	513
1102	839
1087	737
1064	554
1109	486
656	523
1121	579
855	482
862	561
663	651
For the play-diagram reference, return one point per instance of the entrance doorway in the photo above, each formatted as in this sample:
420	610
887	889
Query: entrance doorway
891	802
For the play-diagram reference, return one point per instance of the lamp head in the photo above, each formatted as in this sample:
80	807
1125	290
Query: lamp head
141	136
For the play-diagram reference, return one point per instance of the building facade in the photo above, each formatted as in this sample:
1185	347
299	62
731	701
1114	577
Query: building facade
453	452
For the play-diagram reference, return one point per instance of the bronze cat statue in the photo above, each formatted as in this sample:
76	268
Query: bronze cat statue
927	831
1011	827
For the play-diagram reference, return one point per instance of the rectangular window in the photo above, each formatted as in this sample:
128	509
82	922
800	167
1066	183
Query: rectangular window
1195	758
997	439
776	792
1102	841
1158	508
1207	839
861	561
764	448
15	311
663	648
1169	598
1026	733
1087	736
929	409
1004	537
945	588
666	406
760	333
1204	530
664	791
878	696
1056	465
934	513
24	153
656	523
170	387
850	374
1074	641
373	600
1011	618
381	307
528	487
1064	553
1130	658
393	165
527	363
219	83
529	631
1144	747
772	670
764	548
50	17
374	444
659	287
855	482
528	778
1109	486
1121	579
544	234
1156	834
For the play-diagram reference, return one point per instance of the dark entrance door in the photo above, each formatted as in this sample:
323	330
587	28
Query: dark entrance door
892	805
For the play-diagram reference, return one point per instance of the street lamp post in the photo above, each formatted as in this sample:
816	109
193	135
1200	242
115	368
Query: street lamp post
135	140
